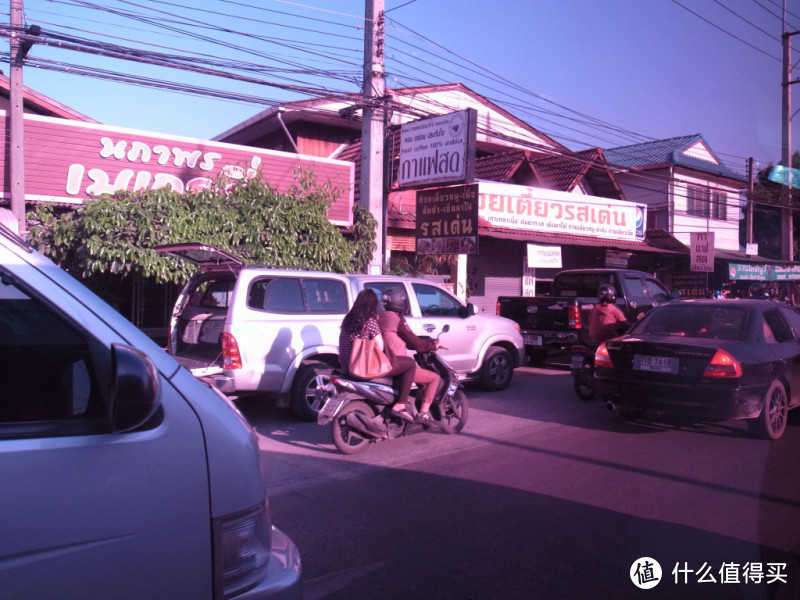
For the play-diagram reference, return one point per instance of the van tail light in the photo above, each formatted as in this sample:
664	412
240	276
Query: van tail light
574	317
602	358
231	358
723	364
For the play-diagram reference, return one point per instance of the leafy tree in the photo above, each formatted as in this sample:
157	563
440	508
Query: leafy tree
115	234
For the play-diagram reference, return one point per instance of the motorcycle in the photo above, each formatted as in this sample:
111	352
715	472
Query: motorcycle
361	410
582	367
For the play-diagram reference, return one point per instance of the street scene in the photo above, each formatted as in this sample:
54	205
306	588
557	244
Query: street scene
542	495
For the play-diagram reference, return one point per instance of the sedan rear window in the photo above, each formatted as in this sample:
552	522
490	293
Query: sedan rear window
717	322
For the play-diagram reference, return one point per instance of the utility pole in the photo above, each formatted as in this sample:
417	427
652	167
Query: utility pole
15	120
372	125
750	192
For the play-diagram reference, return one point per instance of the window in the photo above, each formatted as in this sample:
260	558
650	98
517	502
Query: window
379	287
434	302
46	370
655	290
706	202
290	295
775	324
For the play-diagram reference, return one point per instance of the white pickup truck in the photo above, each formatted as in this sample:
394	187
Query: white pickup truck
256	329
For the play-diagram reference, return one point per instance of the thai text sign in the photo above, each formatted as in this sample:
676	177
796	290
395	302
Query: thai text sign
438	150
762	272
447	220
537	209
67	162
701	250
544	257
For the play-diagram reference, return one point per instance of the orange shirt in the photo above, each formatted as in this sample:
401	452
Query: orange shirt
603	322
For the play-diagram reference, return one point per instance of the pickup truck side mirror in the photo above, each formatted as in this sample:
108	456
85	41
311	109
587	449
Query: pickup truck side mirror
674	294
467	311
135	397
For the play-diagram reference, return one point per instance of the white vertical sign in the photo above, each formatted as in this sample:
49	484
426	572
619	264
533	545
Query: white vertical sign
701	247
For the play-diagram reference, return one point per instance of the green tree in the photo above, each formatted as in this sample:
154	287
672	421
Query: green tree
115	234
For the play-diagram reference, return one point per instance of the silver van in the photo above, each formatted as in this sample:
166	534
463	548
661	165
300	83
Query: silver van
124	476
257	329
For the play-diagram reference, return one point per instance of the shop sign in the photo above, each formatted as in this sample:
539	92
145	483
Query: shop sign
536	209
701	248
438	150
756	272
67	162
690	285
617	258
447	220
544	257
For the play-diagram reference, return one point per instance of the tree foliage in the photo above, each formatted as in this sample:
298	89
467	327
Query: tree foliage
116	233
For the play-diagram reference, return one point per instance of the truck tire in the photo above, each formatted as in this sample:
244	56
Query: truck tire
304	386
496	370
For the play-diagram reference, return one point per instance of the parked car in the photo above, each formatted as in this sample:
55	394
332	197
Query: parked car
256	329
561	318
709	359
123	475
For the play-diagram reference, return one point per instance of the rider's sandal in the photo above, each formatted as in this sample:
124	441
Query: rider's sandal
424	418
403	414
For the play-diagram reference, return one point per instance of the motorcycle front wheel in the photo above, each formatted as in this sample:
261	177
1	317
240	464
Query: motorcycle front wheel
346	439
585	386
453	412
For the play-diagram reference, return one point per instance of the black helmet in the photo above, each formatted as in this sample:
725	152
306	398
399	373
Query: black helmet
757	290
606	293
394	299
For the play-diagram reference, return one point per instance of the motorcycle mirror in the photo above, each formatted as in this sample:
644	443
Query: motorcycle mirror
446	328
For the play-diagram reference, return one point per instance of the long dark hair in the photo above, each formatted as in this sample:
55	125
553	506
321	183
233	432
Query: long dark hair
364	307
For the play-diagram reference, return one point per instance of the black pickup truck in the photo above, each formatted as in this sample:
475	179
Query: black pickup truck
561	318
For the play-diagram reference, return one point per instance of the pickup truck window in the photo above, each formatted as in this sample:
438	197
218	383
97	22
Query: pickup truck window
434	302
655	290
290	295
581	285
49	387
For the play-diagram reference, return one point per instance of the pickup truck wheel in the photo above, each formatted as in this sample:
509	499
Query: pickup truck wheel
305	384
497	370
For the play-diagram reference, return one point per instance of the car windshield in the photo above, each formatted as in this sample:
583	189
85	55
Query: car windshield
697	321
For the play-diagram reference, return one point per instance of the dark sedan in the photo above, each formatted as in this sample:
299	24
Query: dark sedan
708	359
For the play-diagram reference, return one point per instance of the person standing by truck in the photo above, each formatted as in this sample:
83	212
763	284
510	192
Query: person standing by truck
606	321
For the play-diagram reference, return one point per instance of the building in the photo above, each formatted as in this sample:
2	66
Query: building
521	173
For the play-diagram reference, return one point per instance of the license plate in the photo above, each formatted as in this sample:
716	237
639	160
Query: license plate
331	407
656	364
532	340
577	362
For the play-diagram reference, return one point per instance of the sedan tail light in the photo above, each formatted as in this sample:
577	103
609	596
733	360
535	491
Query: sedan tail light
602	358
231	358
723	364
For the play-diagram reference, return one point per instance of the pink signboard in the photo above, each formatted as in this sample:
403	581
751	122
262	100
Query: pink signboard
67	162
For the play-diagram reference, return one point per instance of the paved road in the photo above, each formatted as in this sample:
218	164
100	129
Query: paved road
541	496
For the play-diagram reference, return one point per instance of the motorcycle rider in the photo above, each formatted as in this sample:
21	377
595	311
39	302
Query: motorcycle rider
605	319
361	321
396	336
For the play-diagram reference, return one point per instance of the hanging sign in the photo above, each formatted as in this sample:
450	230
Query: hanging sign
701	247
447	220
545	257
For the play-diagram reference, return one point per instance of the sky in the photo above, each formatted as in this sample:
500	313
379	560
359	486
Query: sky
586	73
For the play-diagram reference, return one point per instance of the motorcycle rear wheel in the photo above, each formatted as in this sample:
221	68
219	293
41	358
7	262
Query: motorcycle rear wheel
453	412
347	440
585	386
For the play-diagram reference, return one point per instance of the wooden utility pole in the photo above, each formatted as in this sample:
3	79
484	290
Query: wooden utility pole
372	125
15	120
750	199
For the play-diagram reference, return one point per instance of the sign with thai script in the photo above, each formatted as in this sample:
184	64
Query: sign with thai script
545	257
690	285
538	209
701	251
67	162
763	272
438	150
447	220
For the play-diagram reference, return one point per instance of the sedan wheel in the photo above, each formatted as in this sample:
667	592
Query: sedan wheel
772	422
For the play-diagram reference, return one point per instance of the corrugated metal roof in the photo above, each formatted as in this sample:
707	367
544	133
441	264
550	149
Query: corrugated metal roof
668	151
